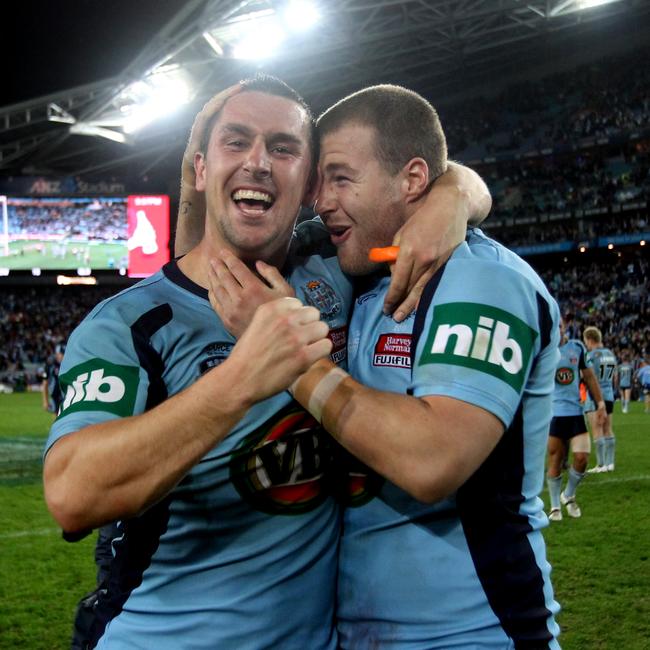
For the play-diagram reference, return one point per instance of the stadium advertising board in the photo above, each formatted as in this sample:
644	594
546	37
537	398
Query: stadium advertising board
148	230
125	234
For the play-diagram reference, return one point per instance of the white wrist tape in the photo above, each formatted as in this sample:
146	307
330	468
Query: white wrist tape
323	391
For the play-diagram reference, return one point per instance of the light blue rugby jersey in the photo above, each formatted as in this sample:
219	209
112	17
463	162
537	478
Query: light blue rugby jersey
469	571
566	396
625	372
603	362
242	553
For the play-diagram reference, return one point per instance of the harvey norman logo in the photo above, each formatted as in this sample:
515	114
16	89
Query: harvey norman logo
393	350
98	385
480	337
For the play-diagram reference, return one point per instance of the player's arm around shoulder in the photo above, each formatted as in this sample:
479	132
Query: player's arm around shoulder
115	467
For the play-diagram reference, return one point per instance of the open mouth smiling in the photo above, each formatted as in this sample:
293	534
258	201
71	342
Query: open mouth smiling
254	202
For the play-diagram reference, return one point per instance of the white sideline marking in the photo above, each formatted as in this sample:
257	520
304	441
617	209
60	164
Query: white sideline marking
29	533
627	479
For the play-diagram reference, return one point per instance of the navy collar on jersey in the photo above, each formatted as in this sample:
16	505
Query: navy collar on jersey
173	273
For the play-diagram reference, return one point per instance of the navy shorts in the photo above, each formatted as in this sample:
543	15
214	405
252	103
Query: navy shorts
567	426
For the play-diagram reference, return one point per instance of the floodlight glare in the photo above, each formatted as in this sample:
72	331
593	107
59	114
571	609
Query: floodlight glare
300	15
588	4
261	39
159	95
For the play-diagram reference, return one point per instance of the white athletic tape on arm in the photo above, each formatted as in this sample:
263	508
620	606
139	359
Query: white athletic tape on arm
323	391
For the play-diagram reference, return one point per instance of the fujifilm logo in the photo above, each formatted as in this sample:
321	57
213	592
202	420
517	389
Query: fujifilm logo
99	385
480	337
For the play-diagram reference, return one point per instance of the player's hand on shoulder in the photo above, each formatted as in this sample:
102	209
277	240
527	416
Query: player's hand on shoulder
236	292
282	341
425	242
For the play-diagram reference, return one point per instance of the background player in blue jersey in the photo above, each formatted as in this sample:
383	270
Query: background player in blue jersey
167	425
623	382
643	377
442	547
568	425
603	362
50	389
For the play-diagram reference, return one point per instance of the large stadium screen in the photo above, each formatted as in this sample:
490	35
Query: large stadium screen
129	235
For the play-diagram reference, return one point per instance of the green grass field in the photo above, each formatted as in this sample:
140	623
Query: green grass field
25	255
601	568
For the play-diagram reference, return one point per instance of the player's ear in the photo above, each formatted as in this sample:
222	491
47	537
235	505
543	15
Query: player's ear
415	179
313	187
199	168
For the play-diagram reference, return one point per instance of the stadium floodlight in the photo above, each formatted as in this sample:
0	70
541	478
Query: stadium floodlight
259	34
300	15
261	39
588	4
158	95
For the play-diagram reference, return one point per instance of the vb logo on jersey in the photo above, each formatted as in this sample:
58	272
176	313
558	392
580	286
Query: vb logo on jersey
99	385
480	337
279	468
564	376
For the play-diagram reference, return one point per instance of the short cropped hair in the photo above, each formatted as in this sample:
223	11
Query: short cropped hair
593	334
270	85
406	126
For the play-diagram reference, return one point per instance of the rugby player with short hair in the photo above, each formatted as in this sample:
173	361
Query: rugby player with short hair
603	362
623	381
568	427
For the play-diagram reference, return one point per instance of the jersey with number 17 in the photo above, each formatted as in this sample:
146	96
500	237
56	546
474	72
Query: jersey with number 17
603	362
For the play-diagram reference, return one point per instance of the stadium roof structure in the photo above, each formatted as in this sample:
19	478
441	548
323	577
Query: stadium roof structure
438	47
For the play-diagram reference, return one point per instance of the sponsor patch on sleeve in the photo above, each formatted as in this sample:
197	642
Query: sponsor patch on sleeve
480	337
339	338
393	350
99	385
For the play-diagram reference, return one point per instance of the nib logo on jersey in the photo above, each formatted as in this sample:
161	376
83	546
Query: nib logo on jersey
480	337
279	468
99	385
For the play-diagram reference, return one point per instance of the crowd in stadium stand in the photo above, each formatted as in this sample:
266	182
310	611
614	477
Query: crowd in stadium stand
576	231
33	321
89	220
607	98
566	157
613	296
581	181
